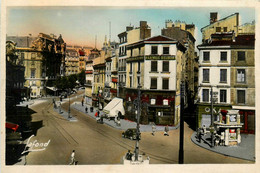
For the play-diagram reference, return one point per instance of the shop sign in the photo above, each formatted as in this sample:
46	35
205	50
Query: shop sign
152	101
166	102
172	57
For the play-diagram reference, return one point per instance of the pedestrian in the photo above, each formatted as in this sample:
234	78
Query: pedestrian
166	130
86	109
59	107
82	101
72	158
97	113
153	129
129	155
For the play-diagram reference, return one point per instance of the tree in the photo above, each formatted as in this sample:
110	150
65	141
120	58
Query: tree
81	77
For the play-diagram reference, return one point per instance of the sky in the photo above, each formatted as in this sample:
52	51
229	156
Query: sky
80	25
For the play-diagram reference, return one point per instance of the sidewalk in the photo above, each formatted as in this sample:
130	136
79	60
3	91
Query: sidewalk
245	150
125	124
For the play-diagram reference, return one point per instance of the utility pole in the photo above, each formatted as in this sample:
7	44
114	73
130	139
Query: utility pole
137	126
212	118
181	143
69	105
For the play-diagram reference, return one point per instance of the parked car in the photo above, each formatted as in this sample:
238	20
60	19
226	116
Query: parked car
131	134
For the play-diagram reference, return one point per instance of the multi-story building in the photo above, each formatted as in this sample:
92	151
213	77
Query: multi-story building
42	57
184	33
156	64
127	37
71	62
224	25
94	53
15	89
227	66
110	90
243	80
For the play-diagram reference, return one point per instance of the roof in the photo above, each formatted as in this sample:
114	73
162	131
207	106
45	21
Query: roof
239	41
159	38
220	20
21	41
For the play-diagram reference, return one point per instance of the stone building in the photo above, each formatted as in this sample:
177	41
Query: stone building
224	25
94	53
127	37
184	33
15	90
227	65
71	62
43	58
156	64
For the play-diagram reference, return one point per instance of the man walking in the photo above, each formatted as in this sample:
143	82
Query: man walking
72	158
153	129
82	101
166	130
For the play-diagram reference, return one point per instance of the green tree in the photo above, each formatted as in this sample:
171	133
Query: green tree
81	77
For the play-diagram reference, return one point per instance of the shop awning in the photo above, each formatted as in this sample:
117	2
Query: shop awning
52	88
12	126
113	107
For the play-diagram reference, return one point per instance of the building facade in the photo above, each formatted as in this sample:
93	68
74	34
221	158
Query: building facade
227	66
155	64
129	36
42	57
184	33
94	53
72	62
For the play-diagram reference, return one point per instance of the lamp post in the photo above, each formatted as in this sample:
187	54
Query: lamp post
181	142
69	104
137	124
212	118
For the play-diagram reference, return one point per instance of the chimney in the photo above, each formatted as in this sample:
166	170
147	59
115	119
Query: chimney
168	23
213	17
129	28
143	24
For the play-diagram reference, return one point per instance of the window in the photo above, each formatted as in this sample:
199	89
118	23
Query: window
223	75
165	83
22	56
139	50
223	96
130	80
241	56
165	66
218	29
154	66
138	80
205	56
153	83
33	55
241	96
225	29
154	49
205	75
205	95
131	67
223	56
166	50
241	75
131	52
33	72
139	67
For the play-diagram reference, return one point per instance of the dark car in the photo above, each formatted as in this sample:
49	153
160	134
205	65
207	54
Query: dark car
131	134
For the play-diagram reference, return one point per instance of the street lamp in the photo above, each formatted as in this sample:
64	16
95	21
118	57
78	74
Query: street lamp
137	123
69	104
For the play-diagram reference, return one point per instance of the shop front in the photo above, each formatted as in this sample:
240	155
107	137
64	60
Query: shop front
204	114
156	107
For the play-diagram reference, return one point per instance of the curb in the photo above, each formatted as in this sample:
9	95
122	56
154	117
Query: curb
194	140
